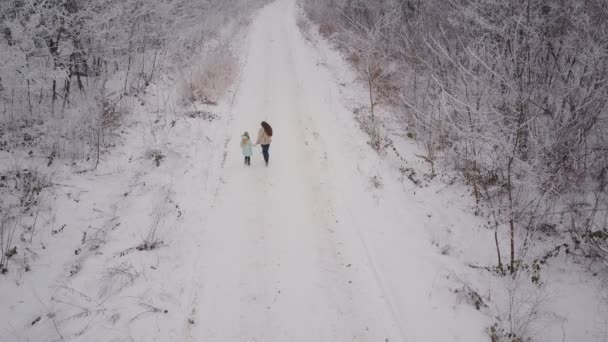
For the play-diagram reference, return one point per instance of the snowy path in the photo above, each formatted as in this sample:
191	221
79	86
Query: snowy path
270	264
269	267
282	256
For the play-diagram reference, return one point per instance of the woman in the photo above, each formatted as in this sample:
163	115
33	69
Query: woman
264	139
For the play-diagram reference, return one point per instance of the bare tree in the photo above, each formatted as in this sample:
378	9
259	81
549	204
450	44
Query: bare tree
512	95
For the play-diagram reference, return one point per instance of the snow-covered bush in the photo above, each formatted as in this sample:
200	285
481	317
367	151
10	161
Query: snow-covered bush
19	207
67	67
70	73
378	138
210	77
508	94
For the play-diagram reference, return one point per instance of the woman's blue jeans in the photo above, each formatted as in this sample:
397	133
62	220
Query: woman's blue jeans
265	149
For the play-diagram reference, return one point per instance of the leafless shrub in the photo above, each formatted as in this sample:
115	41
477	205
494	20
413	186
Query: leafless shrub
446	249
589	227
409	173
116	278
149	309
160	214
156	156
379	140
376	182
442	241
77	304
201	114
522	120
19	206
520	320
210	79
148	246
500	334
470	296
67	81
512	97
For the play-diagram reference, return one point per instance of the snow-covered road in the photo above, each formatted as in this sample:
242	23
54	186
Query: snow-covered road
271	266
284	254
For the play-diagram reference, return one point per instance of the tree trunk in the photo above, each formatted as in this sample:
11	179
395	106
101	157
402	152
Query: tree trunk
66	91
99	130
497	248
370	86
29	97
54	98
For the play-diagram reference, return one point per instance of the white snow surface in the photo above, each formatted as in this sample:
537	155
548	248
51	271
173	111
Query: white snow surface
306	249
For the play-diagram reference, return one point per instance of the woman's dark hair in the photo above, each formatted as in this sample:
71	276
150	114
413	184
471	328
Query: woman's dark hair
267	128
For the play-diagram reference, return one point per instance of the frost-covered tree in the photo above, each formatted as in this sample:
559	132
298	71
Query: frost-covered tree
70	70
61	60
512	95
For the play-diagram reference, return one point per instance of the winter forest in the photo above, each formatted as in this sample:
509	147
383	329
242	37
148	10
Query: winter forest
438	170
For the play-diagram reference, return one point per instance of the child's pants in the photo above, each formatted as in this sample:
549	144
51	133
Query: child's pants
247	160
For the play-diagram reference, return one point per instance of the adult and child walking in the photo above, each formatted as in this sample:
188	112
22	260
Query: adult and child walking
264	139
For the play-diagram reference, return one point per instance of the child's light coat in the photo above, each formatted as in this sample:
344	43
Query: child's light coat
246	146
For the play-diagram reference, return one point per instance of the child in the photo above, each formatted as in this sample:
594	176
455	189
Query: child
246	146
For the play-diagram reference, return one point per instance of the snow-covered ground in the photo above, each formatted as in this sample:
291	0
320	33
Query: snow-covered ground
328	243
